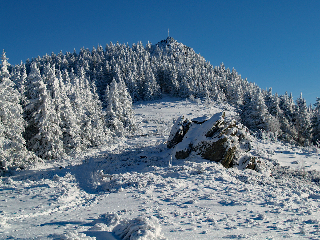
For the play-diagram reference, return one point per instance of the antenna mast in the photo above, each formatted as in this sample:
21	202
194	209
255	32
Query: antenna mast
168	32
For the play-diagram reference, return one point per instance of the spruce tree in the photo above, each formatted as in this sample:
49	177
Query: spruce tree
43	133
113	109
151	89
316	123
69	124
13	153
255	114
119	113
303	122
88	109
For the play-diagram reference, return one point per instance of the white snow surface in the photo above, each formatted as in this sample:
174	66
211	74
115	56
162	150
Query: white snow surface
133	189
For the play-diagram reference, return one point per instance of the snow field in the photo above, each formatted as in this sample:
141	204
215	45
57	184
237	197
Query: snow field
130	190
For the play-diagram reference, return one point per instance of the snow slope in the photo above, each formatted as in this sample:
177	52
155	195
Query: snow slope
133	188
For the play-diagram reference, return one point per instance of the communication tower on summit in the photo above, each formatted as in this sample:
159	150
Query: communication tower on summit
168	32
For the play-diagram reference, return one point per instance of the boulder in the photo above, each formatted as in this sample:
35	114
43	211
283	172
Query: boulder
213	138
179	129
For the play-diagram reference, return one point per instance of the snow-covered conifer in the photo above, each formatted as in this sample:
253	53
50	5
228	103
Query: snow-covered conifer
119	113
70	123
88	109
113	109
13	153
316	123
255	114
43	133
151	89
127	114
99	132
303	122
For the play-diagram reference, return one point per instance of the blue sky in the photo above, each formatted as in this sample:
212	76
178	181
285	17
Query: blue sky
274	43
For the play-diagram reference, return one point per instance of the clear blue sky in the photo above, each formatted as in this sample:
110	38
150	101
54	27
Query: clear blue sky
274	43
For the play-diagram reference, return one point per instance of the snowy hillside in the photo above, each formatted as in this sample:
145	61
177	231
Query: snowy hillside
133	187
61	104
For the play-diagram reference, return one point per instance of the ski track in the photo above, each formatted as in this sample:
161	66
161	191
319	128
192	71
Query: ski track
86	196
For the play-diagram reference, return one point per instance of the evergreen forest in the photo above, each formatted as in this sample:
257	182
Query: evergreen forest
61	104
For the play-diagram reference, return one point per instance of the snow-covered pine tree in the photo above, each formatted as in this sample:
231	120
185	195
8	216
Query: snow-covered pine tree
286	104
273	104
13	153
15	77
185	84
22	85
316	123
268	98
277	116
18	77
127	114
255	114
234	89
131	82
113	109
99	133
69	124
88	108
167	78
216	93
59	89
303	122
150	87
119	113
75	92
185	88
43	133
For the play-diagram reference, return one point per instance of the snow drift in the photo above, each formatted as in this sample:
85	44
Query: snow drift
140	228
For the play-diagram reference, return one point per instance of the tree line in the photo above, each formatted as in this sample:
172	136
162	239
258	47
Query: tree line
64	103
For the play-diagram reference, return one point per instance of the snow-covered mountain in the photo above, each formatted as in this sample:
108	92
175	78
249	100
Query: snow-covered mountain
116	143
70	102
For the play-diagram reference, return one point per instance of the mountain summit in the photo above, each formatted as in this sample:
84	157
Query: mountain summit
168	41
172	46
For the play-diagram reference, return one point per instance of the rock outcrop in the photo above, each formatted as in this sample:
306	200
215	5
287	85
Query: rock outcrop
212	138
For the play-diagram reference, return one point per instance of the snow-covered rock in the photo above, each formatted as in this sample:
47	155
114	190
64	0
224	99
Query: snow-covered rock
214	139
